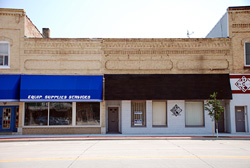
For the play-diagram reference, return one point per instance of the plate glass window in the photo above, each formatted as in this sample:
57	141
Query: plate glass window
60	113
87	113
4	54
36	114
247	54
194	114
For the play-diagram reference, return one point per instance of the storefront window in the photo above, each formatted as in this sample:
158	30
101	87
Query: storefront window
36	114
87	113
60	114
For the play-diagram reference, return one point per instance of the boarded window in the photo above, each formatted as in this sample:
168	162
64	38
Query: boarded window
159	114
194	114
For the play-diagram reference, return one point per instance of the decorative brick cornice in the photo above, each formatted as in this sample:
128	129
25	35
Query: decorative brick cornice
62	52
166	52
61	43
166	43
241	25
12	12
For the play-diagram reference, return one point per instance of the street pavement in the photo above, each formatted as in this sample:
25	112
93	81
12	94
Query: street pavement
126	153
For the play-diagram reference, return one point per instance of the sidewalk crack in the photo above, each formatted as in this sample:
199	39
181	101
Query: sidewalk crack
81	154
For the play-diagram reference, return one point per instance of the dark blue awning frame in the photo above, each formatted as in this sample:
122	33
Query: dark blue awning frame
60	88
9	88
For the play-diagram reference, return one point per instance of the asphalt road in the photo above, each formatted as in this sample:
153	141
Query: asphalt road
126	154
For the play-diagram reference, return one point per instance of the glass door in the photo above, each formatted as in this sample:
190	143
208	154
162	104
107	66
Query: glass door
9	118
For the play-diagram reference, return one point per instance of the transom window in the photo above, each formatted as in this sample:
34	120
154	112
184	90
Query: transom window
247	54
4	54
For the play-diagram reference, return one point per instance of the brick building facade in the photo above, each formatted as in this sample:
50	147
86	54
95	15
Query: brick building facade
76	86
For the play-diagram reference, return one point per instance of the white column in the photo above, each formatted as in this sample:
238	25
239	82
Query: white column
149	113
73	113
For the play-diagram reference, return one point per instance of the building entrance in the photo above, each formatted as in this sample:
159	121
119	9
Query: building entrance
240	119
113	120
9	118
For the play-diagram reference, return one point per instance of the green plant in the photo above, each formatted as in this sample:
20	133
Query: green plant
214	109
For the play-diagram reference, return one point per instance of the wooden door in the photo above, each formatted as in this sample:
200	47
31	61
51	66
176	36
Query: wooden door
113	120
240	119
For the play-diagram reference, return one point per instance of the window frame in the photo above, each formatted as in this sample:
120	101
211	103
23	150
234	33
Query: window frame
203	113
89	103
166	111
245	54
73	123
5	66
144	119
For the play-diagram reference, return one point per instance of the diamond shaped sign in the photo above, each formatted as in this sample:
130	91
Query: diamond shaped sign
176	110
243	84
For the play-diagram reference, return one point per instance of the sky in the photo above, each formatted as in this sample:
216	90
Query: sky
124	18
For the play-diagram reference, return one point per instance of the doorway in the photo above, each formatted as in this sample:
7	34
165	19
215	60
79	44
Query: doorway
240	118
113	119
221	123
9	118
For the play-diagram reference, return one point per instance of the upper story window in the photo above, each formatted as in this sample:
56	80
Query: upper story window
4	54
247	54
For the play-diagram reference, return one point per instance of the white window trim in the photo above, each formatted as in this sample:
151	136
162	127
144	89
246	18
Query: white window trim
3	66
245	54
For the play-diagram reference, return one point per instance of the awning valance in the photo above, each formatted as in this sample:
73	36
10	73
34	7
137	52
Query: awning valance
9	88
53	88
166	86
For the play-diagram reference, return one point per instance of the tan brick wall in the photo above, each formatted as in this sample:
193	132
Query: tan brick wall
30	29
62	130
239	31
167	56
12	31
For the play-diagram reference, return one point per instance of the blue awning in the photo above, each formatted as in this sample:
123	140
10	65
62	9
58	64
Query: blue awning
53	88
9	88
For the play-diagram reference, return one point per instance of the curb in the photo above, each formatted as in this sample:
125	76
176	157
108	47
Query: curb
23	139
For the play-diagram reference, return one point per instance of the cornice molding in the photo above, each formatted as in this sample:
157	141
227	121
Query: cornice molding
167	52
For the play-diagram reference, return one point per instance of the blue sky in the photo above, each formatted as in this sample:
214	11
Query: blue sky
124	18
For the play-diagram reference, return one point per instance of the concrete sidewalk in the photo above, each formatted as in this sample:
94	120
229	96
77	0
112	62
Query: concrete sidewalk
222	136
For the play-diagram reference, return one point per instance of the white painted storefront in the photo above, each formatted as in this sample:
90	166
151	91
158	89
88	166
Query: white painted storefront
240	85
175	124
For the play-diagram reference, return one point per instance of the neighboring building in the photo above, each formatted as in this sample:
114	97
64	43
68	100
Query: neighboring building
77	86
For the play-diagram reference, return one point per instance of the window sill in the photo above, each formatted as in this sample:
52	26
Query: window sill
247	67
160	126
195	126
137	126
4	67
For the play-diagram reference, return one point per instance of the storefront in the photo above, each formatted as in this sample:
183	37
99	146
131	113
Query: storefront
240	104
56	104
163	103
9	102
